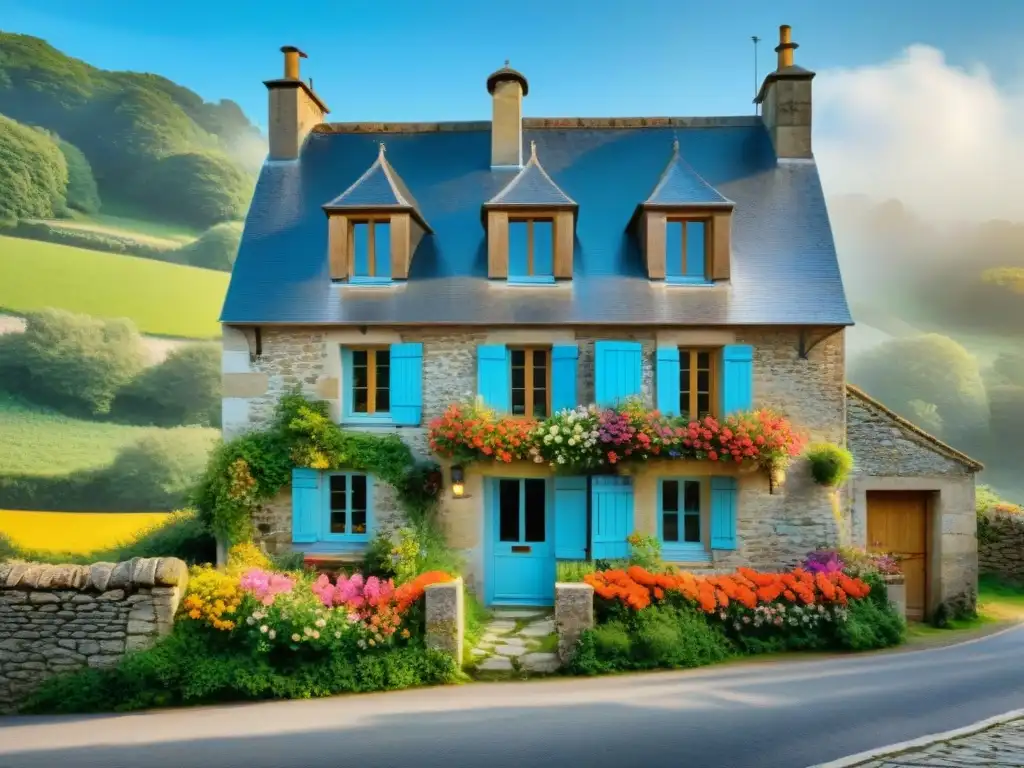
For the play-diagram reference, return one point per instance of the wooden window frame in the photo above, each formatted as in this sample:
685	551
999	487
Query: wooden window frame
371	244
529	221
708	243
371	379
714	371
528	351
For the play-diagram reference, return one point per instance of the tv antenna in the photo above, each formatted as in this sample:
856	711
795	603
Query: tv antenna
755	40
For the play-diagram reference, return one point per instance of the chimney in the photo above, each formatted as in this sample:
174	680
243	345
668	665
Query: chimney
507	88
785	99
294	108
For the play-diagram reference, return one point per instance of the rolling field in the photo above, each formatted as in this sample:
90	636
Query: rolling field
162	299
75	532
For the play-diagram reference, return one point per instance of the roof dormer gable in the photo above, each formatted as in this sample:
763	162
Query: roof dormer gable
531	227
374	227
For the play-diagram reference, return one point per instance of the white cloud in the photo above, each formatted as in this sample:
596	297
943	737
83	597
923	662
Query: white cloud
947	142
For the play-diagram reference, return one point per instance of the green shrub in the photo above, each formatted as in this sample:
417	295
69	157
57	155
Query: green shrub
830	464
573	571
872	622
185	389
73	362
645	551
83	194
108	242
33	174
190	667
216	248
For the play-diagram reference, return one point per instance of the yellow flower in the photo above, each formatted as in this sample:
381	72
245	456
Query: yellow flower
194	613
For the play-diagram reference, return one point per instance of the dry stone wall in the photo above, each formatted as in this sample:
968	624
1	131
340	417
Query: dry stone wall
1001	546
59	618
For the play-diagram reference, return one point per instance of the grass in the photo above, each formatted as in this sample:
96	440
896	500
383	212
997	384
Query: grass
75	532
121	217
38	441
162	299
998	603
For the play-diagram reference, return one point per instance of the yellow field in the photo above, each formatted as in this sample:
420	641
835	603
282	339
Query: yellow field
75	532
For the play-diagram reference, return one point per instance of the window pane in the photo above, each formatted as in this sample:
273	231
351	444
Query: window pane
691	534
518	376
540	403
339	500
543	248
691	496
674	249
358	503
382	249
517	263
540	382
508	510
670	526
535	512
670	495
703	404
360	381
695	249
361	248
382	404
684	383
518	357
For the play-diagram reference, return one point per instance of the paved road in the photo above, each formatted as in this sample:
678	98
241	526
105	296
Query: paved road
761	715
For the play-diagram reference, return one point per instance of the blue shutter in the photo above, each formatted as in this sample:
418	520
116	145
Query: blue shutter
517	259
492	376
361	249
695	253
543	248
724	503
571	518
667	386
612	512
406	384
306	505
617	374
563	376
674	249
382	249
737	378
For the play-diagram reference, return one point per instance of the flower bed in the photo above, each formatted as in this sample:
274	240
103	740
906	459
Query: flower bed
250	632
588	438
651	620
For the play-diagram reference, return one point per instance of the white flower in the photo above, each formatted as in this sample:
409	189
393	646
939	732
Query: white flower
561	459
250	621
547	439
361	644
558	438
307	631
554	429
571	441
538	460
271	634
321	623
264	629
295	638
316	635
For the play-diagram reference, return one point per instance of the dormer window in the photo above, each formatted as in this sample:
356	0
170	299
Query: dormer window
531	226
684	227
374	228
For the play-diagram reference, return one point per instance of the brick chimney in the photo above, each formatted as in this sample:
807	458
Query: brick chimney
294	108
785	99
507	88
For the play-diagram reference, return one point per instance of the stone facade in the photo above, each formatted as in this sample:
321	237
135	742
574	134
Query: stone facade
574	615
773	529
891	454
1001	546
58	618
446	617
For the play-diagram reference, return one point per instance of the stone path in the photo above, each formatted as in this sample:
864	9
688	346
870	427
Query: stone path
1000	745
517	640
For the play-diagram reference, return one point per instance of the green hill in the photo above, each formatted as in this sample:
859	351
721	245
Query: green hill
161	298
131	128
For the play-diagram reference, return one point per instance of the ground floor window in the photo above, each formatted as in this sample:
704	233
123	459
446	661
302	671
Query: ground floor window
348	507
681	514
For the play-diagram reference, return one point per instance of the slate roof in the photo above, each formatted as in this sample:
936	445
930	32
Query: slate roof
532	187
681	185
379	187
784	267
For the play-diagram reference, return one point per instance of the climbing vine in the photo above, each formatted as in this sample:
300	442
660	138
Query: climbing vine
251	469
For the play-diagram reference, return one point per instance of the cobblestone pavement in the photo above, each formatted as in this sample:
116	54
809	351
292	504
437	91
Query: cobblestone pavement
1000	745
517	640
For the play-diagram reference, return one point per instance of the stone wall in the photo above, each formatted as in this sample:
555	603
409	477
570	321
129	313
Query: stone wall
58	618
774	529
1001	546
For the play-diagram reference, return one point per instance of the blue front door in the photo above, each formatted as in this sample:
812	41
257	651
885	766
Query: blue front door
523	555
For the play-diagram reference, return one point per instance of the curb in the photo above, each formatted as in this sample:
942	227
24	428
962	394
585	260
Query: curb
924	741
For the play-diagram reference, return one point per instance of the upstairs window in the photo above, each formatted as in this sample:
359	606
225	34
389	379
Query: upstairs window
371	381
371	250
531	250
531	382
686	250
697	383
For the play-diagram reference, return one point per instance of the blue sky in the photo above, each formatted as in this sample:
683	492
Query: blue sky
428	60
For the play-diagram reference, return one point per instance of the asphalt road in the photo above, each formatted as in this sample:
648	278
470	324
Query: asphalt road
761	715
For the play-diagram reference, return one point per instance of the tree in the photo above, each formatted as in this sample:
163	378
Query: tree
83	194
33	174
930	369
196	188
184	389
216	248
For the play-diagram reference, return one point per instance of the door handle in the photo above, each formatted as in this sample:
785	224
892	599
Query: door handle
521	549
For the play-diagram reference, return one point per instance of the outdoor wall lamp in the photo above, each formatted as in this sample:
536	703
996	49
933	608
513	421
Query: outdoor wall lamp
458	482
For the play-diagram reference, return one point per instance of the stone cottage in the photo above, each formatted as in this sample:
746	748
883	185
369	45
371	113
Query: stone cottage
539	263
